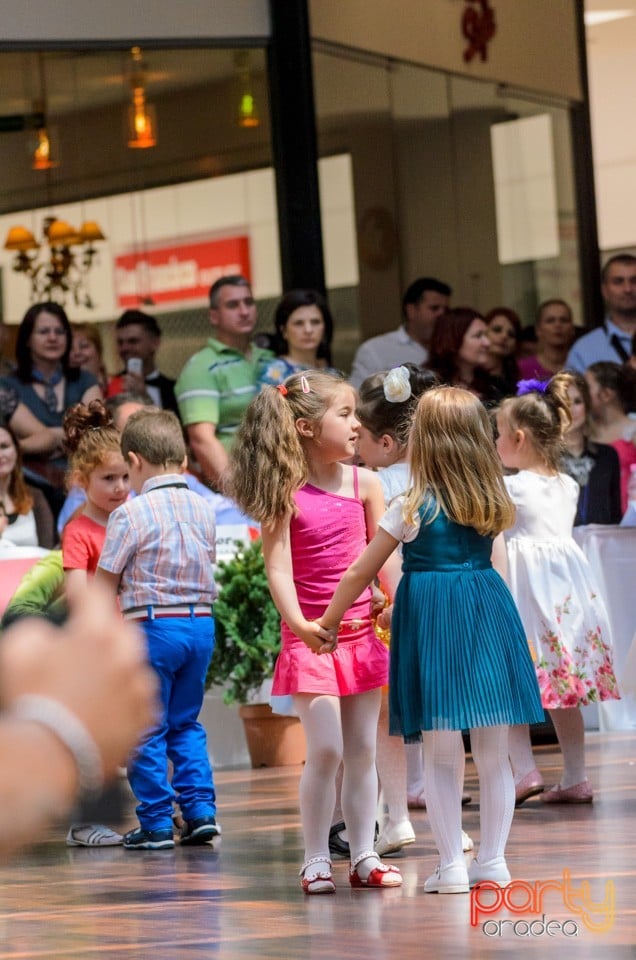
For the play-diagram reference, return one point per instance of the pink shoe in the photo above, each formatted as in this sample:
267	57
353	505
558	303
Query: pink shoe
528	786
578	793
416	801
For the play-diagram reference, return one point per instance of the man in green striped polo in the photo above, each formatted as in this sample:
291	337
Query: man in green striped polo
218	382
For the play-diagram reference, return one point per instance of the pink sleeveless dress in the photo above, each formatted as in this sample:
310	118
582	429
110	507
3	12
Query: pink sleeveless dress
327	535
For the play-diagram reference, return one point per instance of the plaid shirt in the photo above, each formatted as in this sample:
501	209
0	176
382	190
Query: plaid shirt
163	544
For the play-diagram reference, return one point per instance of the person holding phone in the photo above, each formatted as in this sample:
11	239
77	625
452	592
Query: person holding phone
138	338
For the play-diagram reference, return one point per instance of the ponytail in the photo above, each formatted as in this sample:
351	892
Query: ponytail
268	463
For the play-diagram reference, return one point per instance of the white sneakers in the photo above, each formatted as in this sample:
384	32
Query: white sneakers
92	835
393	837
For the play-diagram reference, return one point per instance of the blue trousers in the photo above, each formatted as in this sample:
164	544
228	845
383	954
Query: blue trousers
179	650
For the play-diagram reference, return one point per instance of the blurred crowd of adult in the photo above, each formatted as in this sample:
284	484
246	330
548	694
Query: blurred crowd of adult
57	364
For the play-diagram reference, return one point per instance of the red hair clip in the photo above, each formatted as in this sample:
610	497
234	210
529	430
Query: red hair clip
282	389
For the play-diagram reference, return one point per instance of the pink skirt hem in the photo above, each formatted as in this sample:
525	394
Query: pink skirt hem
359	663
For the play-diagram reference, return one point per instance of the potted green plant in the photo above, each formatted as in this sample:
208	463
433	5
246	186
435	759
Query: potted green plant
246	647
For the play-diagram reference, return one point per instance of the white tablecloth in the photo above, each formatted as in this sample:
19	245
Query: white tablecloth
611	552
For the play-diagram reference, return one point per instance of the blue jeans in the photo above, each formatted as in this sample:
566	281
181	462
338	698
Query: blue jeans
179	650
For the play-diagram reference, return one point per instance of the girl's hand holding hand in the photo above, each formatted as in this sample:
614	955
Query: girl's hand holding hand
318	638
384	617
330	635
379	600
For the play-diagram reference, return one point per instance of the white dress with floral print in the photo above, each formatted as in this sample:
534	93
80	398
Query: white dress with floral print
553	585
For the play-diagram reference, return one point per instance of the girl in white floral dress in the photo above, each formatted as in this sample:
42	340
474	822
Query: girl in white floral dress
564	616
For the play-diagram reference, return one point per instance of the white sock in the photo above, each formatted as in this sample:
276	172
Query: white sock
360	779
414	768
390	761
320	717
444	761
496	789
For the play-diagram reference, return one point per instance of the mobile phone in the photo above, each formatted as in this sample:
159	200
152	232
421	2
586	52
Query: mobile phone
135	365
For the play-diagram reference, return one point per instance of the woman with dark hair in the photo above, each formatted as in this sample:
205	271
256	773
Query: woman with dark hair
302	338
504	332
45	382
25	517
459	352
612	388
594	466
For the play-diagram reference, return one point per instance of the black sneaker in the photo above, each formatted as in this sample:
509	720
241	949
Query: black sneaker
199	831
339	847
140	839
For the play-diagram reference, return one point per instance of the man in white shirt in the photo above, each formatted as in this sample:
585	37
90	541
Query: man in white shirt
613	339
423	302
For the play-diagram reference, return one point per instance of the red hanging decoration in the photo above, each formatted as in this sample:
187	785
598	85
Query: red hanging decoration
479	27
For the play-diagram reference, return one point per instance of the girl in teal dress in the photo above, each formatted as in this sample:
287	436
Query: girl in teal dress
459	656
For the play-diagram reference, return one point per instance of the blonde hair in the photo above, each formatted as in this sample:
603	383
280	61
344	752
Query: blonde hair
268	462
89	436
454	461
156	435
92	332
543	416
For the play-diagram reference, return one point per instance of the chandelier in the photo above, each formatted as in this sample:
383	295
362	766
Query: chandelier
59	266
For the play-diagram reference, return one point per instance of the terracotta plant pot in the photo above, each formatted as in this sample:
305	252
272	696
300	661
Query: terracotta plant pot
272	740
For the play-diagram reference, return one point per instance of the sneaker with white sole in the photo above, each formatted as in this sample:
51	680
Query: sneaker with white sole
450	879
92	835
494	870
141	839
393	837
195	833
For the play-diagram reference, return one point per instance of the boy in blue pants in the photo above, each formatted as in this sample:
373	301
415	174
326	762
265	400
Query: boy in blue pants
158	558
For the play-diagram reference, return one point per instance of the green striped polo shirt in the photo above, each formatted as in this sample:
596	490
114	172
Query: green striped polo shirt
217	384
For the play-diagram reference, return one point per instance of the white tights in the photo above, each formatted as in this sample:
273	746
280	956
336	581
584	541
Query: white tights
338	728
391	766
444	777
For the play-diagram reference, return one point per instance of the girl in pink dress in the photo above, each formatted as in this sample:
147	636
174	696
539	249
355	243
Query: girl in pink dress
317	514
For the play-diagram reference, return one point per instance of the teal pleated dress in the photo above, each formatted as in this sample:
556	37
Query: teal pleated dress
459	654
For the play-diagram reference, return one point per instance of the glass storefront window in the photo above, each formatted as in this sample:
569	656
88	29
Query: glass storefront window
422	161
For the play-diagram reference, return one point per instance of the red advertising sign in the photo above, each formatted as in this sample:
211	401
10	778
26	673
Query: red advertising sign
181	273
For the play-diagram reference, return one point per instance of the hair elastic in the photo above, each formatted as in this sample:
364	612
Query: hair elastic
282	389
305	386
531	386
